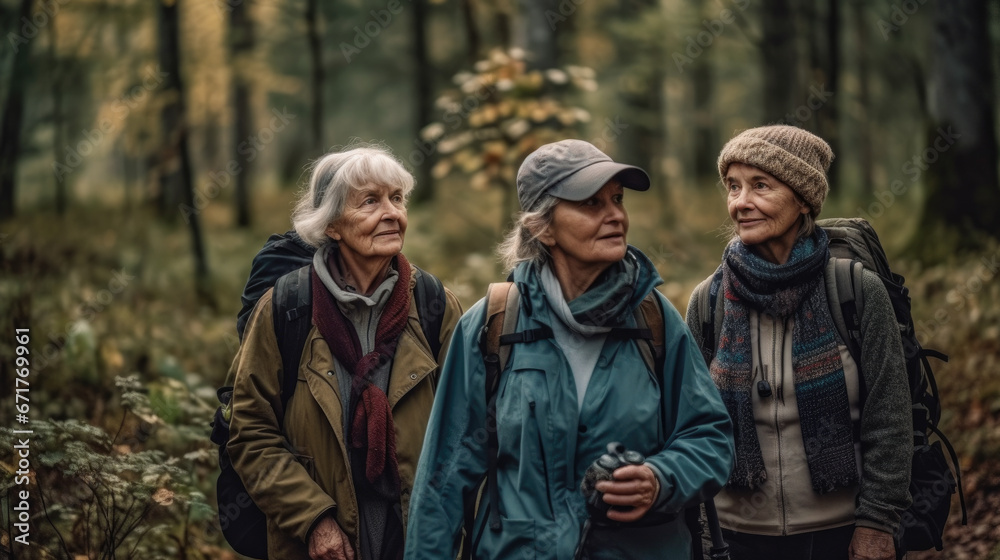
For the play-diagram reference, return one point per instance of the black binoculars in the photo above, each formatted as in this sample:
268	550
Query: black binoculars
602	469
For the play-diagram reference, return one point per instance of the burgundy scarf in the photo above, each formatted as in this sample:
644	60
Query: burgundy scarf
371	425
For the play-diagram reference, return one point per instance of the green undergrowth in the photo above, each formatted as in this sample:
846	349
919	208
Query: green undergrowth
109	296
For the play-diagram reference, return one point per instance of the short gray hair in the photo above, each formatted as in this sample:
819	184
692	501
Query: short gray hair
332	178
521	243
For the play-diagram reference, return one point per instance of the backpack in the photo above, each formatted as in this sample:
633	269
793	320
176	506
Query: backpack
496	339
854	247
285	261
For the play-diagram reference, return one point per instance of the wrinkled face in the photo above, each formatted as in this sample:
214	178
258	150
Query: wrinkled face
764	210
373	223
589	233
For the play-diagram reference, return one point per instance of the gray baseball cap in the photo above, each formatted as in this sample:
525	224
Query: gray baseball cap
571	170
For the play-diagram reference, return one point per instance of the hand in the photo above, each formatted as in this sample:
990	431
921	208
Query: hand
634	486
872	544
328	542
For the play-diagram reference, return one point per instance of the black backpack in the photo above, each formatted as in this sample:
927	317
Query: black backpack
285	262
503	305
854	247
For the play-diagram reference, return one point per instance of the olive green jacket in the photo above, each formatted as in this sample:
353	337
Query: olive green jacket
296	469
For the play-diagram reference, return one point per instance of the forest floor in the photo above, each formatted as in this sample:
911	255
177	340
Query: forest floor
111	291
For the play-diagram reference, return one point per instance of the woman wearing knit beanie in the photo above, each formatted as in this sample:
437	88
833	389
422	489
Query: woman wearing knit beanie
816	477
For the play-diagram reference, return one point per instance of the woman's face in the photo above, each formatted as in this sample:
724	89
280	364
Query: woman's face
590	233
766	211
373	223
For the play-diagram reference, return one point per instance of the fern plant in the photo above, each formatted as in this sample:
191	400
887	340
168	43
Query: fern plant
98	495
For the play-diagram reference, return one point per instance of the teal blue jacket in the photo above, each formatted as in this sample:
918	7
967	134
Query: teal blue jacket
546	445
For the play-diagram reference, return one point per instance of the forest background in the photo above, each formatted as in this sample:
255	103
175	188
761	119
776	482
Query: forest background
147	150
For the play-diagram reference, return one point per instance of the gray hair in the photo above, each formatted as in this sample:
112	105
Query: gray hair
521	242
331	180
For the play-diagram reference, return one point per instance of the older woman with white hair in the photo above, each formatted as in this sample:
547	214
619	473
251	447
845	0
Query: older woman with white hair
333	471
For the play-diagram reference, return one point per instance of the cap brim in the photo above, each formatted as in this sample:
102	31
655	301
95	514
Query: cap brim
587	181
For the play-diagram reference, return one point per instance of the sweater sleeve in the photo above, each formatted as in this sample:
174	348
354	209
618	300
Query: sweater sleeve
453	458
886	420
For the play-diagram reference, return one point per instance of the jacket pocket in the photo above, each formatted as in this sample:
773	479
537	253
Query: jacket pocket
515	540
669	540
307	462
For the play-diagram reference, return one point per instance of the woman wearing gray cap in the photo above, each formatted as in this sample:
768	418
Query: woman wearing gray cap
814	477
576	380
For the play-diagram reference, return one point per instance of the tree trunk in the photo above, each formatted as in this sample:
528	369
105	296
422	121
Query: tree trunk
241	41
315	42
824	67
706	144
829	118
780	57
961	154
176	174
640	131
59	131
13	114
501	24
471	32
422	113
534	32
864	102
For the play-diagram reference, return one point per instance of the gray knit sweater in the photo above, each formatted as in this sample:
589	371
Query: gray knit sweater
886	421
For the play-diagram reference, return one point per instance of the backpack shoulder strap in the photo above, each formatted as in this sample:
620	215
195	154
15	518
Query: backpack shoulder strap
710	311
845	294
649	316
431	303
501	297
292	309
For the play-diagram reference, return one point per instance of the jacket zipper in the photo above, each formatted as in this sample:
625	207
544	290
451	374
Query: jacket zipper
778	377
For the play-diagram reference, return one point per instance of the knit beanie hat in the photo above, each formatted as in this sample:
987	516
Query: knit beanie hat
796	157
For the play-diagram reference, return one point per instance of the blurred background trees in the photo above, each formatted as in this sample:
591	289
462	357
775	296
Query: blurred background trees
162	142
877	79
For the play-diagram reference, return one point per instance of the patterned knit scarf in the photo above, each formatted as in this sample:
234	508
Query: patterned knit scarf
371	427
795	289
605	304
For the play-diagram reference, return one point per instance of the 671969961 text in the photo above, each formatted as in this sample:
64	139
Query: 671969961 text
22	437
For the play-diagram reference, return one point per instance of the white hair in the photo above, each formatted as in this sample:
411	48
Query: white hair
521	243
332	178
